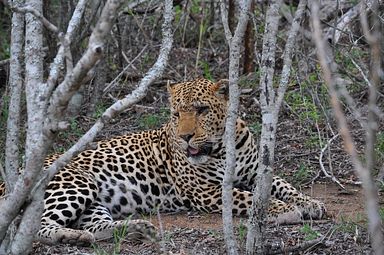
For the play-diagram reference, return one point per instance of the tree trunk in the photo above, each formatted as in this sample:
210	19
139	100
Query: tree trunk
261	193
34	88
234	43
270	107
16	85
249	48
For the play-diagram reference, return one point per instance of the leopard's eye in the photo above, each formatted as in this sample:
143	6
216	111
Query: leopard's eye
202	109
176	114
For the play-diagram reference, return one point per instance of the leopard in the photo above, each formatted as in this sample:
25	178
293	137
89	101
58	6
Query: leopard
177	167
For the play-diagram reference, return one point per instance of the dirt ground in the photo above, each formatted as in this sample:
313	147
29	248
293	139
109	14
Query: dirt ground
343	232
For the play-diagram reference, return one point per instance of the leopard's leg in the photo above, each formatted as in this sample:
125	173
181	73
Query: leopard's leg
278	211
53	233
309	207
67	196
97	220
59	213
281	212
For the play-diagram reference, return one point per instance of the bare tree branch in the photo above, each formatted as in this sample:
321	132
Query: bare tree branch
58	62
115	80
29	9
326	174
270	107
119	106
29	225
261	193
298	248
72	81
34	76
16	84
234	43
364	172
10	206
288	51
224	19
39	138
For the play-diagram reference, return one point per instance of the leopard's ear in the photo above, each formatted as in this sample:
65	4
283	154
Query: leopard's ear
221	89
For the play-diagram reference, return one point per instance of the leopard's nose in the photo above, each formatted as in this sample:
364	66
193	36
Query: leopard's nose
187	137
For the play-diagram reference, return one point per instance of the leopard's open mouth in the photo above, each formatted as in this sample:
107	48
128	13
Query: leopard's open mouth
196	152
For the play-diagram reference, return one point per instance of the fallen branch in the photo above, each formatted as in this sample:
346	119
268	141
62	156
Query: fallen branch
299	247
343	22
302	222
326	174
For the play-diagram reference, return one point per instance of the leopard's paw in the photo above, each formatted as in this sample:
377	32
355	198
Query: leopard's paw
312	209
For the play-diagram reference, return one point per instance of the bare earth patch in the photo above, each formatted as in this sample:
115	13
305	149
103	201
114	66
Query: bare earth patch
344	232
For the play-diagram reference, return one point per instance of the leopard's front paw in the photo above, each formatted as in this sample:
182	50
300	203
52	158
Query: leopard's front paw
312	209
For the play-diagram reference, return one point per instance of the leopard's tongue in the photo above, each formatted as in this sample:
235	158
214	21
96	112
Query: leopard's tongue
193	151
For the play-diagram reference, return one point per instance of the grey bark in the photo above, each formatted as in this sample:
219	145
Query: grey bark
39	136
364	171
234	42
270	107
50	120
261	193
16	85
153	73
10	207
96	90
30	8
35	109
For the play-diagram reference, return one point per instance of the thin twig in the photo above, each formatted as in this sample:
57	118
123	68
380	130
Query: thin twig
161	230
114	81
326	174
361	71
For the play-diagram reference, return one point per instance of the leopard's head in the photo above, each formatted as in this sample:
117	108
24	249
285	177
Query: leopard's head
198	110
